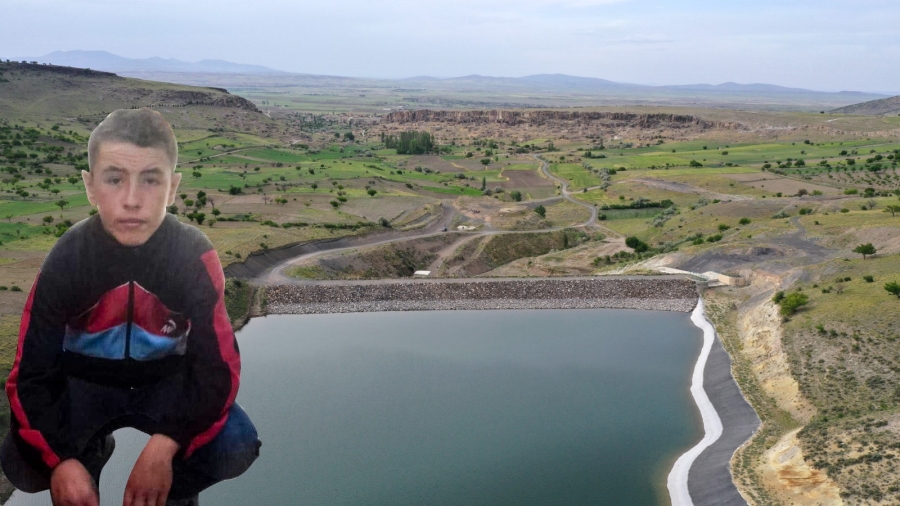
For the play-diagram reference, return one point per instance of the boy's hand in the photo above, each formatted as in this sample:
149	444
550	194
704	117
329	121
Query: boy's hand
151	477
71	485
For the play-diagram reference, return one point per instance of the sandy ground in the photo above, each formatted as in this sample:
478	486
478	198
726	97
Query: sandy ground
761	333
783	470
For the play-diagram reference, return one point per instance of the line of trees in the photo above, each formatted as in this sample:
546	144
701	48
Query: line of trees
411	142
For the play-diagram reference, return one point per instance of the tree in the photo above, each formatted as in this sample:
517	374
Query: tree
372	192
893	288
484	183
865	249
62	204
485	161
516	195
695	163
892	208
541	211
411	142
314	186
48	219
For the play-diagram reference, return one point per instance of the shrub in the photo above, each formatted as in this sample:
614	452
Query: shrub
778	297
516	195
541	211
869	278
723	227
636	244
792	302
744	221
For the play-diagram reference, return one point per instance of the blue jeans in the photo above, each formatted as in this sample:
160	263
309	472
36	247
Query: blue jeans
228	455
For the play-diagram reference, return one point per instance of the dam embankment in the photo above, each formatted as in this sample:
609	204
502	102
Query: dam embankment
662	294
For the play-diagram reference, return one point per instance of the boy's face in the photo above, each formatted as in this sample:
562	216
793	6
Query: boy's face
131	187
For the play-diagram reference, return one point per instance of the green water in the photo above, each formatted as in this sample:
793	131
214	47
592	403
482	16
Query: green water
545	407
466	407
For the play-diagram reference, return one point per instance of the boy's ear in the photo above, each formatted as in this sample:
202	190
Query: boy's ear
88	179
173	190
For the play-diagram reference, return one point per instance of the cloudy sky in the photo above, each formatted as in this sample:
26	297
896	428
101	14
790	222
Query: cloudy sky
828	45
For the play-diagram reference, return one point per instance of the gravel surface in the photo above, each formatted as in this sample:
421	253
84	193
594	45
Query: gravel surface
655	294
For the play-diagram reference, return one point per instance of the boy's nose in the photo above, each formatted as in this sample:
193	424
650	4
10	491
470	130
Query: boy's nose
132	196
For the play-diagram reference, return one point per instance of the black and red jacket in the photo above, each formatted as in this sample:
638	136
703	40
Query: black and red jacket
116	336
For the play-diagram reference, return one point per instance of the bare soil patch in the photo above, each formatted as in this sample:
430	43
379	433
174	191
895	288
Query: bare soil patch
686	188
774	183
525	179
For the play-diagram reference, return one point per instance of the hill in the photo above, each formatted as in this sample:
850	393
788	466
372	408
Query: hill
882	107
83	97
103	60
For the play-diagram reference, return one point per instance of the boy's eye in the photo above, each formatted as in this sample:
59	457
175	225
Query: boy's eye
113	180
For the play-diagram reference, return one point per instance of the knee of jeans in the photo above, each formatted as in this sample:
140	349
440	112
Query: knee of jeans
234	461
233	450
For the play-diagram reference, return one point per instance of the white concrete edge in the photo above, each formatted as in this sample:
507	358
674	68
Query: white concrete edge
677	482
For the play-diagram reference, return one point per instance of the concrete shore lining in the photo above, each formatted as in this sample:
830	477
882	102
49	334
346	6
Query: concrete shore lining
702	476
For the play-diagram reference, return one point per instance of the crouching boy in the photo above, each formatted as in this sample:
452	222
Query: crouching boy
125	326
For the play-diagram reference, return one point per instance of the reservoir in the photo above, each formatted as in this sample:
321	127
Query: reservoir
457	408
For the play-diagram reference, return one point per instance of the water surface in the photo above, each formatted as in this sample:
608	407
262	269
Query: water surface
459	408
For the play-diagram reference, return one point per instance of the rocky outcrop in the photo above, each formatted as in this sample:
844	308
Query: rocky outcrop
545	116
220	99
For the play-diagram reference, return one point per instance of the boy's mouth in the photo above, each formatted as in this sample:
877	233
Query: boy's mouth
131	222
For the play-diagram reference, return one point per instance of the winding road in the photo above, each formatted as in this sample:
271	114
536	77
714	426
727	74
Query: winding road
284	258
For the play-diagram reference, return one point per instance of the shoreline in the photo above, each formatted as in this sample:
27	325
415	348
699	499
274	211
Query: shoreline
701	475
677	481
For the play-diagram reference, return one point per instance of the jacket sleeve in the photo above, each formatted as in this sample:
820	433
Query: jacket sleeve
213	361
36	383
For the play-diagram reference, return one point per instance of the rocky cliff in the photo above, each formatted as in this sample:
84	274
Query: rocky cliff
543	117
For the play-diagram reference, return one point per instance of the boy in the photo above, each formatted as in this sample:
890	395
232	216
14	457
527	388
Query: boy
126	326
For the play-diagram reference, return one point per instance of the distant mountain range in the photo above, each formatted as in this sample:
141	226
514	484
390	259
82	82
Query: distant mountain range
528	91
565	82
103	60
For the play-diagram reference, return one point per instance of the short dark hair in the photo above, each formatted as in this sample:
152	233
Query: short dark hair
144	128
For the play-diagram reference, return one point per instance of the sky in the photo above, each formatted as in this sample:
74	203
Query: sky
827	45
